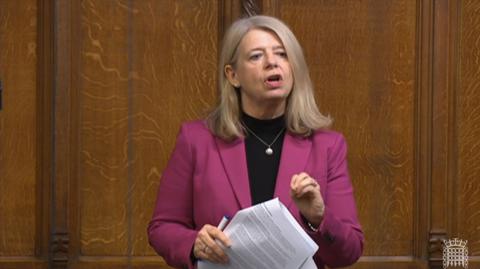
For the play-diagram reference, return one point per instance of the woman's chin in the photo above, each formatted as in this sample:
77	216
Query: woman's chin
277	94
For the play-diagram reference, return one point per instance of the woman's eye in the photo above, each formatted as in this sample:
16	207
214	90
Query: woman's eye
282	54
255	56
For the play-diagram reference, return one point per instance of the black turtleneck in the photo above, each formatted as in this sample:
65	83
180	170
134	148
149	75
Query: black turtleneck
263	168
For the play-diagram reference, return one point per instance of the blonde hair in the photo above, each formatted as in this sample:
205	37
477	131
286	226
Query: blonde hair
301	113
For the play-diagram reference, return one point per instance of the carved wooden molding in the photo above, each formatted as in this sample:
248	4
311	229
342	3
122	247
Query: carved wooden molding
423	127
231	10
444	43
44	126
59	250
435	247
250	8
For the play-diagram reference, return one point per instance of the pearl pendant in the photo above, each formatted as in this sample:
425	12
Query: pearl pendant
269	151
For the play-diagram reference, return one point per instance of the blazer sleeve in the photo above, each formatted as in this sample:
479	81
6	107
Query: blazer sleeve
171	231
340	237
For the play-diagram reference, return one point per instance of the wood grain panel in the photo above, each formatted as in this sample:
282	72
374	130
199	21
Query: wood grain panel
174	49
468	122
362	61
18	132
64	109
144	67
120	263
442	123
104	115
140	68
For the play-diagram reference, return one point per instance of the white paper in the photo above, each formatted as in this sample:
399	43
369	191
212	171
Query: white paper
266	236
309	264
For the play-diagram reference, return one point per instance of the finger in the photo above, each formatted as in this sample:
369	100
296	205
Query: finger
211	255
292	185
310	182
293	181
221	237
299	178
300	181
202	237
307	182
296	180
199	246
306	190
303	175
214	250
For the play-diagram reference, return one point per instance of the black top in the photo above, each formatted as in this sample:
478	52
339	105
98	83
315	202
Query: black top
263	168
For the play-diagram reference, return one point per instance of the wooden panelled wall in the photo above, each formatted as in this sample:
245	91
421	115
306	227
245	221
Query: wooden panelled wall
95	90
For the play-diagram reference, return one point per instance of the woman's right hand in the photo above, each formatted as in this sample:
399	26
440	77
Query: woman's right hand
205	247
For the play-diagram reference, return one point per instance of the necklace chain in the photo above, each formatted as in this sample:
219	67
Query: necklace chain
269	150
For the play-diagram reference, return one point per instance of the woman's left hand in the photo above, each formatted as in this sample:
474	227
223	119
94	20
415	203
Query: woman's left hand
305	192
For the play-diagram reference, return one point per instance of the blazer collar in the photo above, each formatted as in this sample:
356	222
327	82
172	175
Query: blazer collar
234	161
295	153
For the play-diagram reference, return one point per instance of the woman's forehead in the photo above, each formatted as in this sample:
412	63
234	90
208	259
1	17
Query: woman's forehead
260	39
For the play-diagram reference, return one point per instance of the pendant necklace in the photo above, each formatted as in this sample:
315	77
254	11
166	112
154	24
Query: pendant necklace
269	150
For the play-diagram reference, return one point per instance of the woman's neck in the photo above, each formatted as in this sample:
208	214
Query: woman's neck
265	112
262	126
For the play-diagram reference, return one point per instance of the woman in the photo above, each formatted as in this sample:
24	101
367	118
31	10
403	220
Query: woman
266	138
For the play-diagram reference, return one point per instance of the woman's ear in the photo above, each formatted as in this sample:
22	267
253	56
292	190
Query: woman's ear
231	76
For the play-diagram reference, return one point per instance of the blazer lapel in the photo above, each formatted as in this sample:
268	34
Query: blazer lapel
295	154
234	161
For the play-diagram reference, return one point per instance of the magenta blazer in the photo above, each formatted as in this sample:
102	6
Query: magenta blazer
207	178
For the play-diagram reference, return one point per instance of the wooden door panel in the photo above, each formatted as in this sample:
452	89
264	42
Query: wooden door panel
361	56
143	67
175	68
17	129
103	128
22	190
468	111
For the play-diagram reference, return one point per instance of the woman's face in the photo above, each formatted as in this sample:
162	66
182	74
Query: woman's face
262	72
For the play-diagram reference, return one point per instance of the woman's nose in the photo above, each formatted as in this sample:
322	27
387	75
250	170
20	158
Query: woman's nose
271	60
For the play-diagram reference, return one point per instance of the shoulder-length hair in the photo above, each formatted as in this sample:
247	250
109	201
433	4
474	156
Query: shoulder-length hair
301	113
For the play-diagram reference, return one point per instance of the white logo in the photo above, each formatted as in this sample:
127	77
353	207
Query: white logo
455	253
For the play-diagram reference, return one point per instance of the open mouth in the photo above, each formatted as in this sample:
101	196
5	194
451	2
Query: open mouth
274	78
274	81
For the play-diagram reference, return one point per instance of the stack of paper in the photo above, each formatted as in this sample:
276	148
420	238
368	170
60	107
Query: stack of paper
266	236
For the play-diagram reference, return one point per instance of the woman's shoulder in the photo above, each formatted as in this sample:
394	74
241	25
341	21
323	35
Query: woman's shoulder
197	125
328	137
195	130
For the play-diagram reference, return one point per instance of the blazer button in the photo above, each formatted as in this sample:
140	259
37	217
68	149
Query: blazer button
328	237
